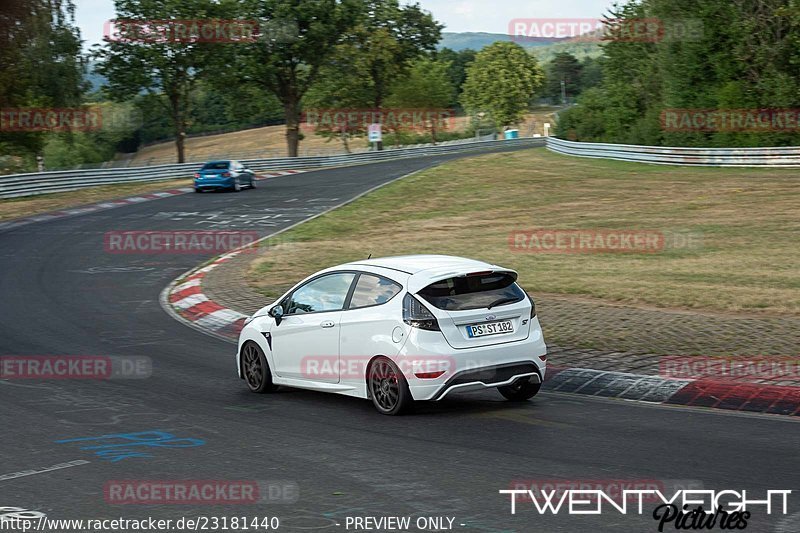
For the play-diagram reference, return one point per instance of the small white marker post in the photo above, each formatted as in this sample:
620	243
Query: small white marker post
547	129
374	133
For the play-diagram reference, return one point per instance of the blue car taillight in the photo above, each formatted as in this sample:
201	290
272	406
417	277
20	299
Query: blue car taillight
417	315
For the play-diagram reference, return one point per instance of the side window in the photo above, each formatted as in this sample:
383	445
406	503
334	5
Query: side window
373	290
327	293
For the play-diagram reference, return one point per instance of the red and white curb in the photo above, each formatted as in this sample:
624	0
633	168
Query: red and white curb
716	394
187	301
111	204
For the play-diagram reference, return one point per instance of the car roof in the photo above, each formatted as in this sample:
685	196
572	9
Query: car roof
217	161
414	264
426	269
429	264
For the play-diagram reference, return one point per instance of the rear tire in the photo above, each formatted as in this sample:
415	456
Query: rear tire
253	182
388	388
255	369
521	390
237	185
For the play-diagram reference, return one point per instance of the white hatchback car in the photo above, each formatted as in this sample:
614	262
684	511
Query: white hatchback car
398	329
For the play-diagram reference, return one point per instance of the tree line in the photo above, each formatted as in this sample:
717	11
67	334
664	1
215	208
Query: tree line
304	54
720	74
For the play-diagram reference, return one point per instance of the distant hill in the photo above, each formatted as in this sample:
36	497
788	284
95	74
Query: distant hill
477	40
579	49
544	49
95	80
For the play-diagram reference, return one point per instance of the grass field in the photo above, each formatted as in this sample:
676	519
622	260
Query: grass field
34	205
748	219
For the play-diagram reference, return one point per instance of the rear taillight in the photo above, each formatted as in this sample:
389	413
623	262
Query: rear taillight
533	305
417	315
226	174
196	174
429	375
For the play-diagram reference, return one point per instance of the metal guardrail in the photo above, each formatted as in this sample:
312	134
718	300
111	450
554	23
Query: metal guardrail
17	185
784	157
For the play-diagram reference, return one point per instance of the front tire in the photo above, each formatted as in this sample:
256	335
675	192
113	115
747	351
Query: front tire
255	369
521	390
253	182
388	388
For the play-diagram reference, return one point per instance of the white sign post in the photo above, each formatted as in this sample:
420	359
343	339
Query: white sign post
375	134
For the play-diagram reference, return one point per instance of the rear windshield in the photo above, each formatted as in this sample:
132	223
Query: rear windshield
473	292
216	165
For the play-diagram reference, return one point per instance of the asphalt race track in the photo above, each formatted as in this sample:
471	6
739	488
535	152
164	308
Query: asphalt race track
326	457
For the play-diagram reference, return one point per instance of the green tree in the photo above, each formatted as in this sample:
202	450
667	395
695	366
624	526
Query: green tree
391	36
427	86
591	73
457	71
378	50
41	65
343	84
564	69
288	61
501	82
169	66
711	56
388	38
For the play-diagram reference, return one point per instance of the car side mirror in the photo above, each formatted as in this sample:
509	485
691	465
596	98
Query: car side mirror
277	313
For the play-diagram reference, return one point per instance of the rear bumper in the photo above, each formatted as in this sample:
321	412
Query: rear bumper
469	369
489	377
210	184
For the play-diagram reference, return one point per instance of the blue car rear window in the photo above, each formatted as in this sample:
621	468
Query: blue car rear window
219	165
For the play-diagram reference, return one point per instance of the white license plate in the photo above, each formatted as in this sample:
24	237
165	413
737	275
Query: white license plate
491	328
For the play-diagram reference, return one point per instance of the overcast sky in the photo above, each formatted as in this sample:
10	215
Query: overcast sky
490	16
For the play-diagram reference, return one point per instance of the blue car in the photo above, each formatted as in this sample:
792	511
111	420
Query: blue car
216	175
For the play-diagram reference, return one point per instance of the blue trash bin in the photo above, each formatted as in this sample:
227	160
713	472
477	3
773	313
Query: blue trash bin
512	134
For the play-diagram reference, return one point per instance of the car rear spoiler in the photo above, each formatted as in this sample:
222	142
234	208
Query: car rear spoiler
419	281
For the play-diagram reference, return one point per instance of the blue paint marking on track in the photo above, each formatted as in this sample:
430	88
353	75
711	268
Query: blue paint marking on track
118	446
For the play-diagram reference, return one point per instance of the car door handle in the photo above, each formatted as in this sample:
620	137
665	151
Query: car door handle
327	324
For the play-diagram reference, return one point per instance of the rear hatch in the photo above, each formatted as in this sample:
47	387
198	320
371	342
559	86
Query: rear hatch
214	170
479	308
